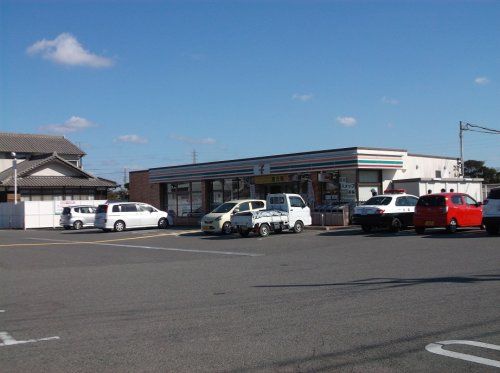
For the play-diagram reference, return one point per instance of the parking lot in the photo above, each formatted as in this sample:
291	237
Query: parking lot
176	300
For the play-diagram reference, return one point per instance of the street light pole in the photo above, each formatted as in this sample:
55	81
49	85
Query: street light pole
14	166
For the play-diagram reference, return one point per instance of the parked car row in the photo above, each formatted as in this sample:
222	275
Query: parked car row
397	210
116	216
394	210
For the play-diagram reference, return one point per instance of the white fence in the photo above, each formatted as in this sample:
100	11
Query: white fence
36	214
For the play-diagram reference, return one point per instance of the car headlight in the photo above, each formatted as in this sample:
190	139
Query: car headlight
218	219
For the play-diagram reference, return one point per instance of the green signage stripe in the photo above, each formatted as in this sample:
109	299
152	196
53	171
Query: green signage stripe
214	173
312	165
380	162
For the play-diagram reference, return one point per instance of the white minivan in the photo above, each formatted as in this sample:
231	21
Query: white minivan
119	216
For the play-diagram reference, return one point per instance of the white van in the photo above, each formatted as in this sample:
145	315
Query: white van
77	217
219	220
119	216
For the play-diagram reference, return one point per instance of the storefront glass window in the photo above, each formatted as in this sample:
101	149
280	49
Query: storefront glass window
228	190
347	183
216	197
196	202
183	200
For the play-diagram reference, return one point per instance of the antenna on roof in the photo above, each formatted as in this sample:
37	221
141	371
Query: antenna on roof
195	156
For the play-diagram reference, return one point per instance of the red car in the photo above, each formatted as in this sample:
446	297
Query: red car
447	210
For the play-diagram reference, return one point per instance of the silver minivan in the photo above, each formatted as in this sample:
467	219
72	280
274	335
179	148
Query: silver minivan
77	217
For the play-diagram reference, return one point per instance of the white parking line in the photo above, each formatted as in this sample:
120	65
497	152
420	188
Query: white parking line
8	340
437	348
214	252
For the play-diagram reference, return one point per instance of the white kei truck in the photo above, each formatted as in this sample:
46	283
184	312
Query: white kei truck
283	211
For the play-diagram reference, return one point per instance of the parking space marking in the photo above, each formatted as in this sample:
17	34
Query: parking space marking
107	243
437	348
62	242
8	340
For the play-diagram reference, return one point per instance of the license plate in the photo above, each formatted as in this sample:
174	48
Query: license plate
205	228
429	223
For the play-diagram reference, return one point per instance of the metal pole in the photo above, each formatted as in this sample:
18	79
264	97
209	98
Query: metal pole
14	165
461	149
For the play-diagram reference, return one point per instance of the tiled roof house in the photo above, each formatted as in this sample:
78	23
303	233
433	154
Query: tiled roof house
48	168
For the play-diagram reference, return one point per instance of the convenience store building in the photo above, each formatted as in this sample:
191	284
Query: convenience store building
335	176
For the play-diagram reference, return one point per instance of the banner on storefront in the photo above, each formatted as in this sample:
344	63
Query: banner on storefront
271	179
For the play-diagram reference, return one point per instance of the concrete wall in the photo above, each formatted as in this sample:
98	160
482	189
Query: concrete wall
141	190
36	214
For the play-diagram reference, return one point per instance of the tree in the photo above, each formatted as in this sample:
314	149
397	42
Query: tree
477	169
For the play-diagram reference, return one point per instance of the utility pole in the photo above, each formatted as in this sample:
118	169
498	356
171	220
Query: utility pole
474	128
124	177
14	166
461	135
194	154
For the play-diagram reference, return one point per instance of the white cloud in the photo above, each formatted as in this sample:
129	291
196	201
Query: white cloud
481	80
191	140
302	97
134	139
73	124
66	50
347	121
389	100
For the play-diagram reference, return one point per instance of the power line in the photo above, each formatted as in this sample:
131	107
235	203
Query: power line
474	128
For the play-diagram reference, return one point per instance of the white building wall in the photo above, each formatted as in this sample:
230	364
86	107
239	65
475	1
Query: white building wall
55	170
6	163
415	166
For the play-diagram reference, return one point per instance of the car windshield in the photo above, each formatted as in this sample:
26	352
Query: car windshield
225	207
431	201
379	201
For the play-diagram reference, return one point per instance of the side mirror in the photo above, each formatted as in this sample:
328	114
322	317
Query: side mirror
235	211
479	204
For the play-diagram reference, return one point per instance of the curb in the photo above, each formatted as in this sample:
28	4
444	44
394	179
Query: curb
329	227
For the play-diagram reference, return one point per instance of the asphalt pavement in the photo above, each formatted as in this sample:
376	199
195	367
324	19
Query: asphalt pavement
176	300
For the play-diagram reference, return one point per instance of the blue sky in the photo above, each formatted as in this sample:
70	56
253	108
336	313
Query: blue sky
142	84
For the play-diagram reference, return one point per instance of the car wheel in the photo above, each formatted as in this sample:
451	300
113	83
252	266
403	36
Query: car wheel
396	225
366	228
264	230
298	227
492	229
226	228
452	227
163	223
119	226
77	225
419	230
